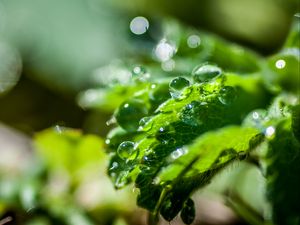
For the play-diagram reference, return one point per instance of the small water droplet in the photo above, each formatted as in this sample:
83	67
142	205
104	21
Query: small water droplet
114	166
257	119
270	131
164	50
193	41
107	141
138	71
202	73
193	113
178	153
139	25
177	85
121	180
280	64
127	151
227	95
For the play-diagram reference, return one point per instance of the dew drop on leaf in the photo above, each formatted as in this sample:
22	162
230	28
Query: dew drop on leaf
202	73
159	93
122	179
129	114
177	85
227	95
127	150
188	212
192	114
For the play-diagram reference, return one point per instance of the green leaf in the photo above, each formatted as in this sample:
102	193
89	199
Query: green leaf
68	149
183	127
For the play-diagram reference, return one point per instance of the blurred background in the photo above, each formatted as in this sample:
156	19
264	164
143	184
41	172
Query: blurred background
51	51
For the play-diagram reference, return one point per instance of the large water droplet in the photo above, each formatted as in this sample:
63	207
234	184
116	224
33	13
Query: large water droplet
177	85
127	151
129	114
188	212
227	95
202	73
193	113
159	93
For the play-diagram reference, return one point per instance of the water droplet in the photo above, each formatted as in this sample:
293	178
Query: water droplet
129	114
138	71
256	119
178	153
177	85
193	41
139	25
202	73
121	180
140	74
193	113
127	151
144	126
227	95
164	50
188	212
159	93
280	64
270	131
114	166
107	141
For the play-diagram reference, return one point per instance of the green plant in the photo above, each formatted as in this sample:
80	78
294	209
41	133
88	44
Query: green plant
180	126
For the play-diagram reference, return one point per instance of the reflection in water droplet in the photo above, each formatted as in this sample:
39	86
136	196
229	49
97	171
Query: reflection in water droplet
280	64
139	25
168	65
164	50
177	85
127	151
202	73
193	41
227	95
